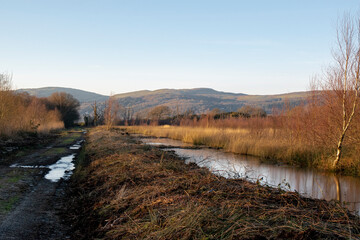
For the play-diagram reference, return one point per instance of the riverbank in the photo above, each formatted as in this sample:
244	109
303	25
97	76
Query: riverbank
269	145
123	189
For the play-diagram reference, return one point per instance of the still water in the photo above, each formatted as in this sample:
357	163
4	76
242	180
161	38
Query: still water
61	169
307	182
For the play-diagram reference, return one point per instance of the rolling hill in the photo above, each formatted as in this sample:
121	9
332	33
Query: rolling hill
82	96
199	100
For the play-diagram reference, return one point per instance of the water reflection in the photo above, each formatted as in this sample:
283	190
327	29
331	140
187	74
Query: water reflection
308	182
61	169
165	142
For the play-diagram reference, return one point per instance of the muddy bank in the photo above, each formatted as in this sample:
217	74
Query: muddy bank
123	189
31	205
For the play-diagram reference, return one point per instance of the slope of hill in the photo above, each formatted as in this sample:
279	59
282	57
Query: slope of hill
82	96
199	100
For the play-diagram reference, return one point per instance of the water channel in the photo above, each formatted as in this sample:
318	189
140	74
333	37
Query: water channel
307	182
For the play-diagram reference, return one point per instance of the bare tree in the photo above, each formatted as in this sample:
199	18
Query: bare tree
340	85
5	82
127	114
5	95
348	61
111	112
96	113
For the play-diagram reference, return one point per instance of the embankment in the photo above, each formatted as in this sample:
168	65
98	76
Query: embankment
126	190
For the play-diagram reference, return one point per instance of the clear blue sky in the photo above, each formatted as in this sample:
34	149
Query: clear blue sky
253	47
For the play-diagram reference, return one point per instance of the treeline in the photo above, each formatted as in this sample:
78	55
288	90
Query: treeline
21	113
112	113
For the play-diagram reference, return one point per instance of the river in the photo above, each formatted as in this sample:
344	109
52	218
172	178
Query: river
308	182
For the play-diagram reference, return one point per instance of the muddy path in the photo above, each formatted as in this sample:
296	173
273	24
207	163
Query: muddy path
31	205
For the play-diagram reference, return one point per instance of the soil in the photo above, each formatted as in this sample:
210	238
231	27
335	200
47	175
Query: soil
30	205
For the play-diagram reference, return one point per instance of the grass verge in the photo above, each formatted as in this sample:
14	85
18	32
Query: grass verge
124	190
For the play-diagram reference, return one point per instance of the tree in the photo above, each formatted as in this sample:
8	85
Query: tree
340	84
249	111
96	114
20	112
6	97
127	114
111	112
67	105
5	82
159	113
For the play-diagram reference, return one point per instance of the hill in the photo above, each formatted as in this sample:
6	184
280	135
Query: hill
199	100
82	96
85	98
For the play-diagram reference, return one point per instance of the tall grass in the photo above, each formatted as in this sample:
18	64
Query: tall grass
276	145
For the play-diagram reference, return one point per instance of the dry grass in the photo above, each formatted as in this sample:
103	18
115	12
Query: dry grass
125	190
269	144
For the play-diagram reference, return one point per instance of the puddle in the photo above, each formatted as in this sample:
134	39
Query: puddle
308	182
61	169
77	145
27	166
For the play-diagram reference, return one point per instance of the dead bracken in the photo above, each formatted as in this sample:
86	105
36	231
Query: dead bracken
122	189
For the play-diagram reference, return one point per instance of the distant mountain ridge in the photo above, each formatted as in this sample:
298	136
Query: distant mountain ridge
81	95
202	100
198	100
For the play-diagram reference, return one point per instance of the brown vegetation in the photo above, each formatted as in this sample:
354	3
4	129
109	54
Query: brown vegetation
125	190
340	85
111	112
300	136
67	106
24	113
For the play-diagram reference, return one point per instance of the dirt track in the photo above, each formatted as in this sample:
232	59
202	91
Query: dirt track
30	205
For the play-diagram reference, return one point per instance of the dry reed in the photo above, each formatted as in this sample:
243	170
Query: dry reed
270	144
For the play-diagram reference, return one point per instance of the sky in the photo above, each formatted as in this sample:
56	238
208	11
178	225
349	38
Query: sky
110	47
